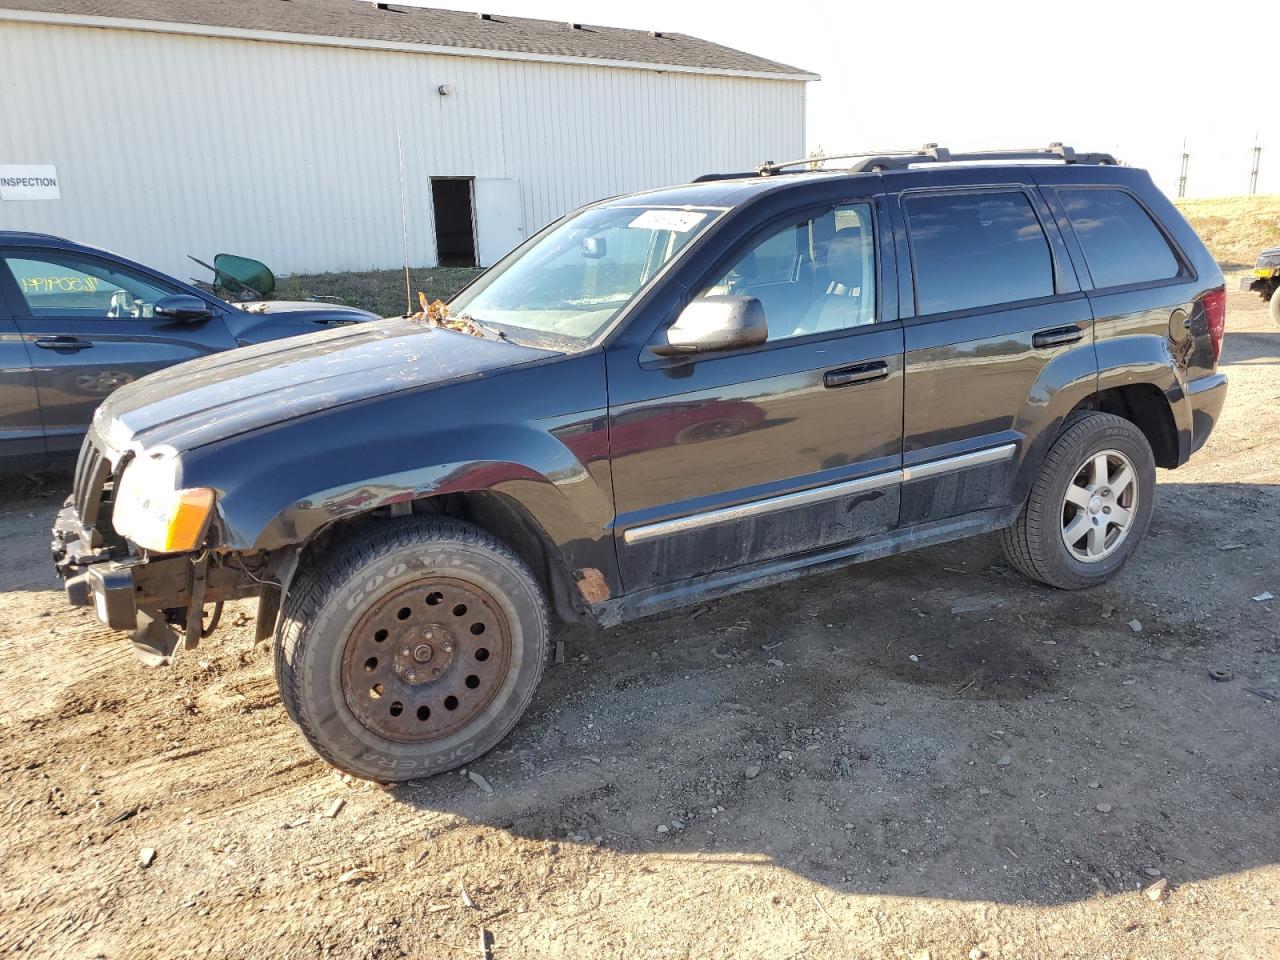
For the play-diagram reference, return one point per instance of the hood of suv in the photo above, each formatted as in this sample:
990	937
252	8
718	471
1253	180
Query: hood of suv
231	393
263	307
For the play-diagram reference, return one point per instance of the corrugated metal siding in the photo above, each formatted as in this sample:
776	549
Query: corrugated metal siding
167	145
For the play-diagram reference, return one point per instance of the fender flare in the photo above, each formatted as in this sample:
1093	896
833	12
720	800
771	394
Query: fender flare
277	495
1145	360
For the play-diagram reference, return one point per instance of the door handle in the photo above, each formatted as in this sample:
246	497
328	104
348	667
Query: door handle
862	373
1057	337
62	343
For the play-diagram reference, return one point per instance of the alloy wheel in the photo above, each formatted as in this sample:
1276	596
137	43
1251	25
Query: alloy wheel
1099	506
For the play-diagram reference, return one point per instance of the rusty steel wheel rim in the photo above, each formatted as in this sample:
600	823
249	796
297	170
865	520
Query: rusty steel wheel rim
426	660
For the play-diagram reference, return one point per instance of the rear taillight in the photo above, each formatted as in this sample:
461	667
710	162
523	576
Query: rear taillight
1215	315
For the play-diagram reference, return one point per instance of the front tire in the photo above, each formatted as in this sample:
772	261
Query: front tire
1089	506
412	650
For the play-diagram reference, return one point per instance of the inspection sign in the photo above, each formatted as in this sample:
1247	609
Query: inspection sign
28	181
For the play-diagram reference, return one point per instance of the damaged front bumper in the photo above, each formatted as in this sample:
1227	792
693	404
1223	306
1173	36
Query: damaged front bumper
158	600
109	589
147	596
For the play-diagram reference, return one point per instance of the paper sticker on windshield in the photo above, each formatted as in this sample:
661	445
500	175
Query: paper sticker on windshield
679	221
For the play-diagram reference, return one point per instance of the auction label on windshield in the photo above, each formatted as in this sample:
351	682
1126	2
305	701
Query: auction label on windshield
681	221
29	182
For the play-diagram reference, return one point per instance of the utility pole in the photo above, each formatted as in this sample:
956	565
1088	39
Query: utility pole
1182	178
1257	155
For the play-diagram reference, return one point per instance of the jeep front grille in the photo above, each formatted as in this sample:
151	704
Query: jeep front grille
93	470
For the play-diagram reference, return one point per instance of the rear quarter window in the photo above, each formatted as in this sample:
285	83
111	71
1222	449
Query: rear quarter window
1121	243
976	250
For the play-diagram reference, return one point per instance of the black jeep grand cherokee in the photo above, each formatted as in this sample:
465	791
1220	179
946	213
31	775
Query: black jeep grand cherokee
658	399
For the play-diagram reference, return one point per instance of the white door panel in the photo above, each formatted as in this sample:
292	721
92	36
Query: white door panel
499	219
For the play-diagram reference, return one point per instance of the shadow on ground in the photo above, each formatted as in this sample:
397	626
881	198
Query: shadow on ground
930	725
24	498
1246	348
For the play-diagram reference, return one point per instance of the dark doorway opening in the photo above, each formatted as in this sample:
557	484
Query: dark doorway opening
455	221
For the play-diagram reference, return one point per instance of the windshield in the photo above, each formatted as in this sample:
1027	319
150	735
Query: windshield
573	280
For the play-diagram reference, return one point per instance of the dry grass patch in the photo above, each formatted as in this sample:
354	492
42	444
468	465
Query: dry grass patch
1235	228
381	291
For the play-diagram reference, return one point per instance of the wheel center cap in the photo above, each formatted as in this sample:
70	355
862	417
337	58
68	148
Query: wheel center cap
427	659
1095	505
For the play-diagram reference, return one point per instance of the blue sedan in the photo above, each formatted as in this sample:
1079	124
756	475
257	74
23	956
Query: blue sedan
77	322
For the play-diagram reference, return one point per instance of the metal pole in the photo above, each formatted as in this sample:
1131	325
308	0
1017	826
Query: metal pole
404	223
1182	178
1257	156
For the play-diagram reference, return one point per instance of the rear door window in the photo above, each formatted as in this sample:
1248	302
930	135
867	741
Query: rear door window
976	250
1121	243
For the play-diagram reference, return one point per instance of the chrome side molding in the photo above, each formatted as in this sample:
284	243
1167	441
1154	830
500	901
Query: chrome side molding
832	491
754	508
963	461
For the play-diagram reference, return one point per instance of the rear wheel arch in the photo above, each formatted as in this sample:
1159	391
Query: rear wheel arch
1146	407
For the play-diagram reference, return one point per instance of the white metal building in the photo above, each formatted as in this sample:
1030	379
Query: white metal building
269	127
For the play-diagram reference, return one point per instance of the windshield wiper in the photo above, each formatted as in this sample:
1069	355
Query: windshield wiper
478	327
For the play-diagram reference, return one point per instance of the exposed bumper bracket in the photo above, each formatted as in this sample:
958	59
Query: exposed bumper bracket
154	641
113	595
195	605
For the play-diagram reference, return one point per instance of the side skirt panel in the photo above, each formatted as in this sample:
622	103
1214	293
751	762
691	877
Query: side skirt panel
726	582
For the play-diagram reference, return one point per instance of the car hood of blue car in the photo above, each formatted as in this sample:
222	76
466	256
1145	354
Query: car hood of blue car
262	320
232	393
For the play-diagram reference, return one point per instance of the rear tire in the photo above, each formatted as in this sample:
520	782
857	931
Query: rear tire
1068	535
413	649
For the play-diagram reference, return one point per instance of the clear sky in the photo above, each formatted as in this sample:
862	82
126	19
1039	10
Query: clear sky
1129	77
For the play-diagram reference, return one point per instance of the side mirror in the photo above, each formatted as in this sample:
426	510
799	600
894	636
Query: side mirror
594	248
182	308
716	323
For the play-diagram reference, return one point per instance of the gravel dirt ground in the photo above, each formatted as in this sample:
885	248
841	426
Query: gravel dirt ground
927	756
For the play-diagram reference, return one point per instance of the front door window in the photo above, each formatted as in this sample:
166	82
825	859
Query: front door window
814	276
68	285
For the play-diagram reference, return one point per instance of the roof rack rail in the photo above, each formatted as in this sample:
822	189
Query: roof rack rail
880	161
932	153
769	168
